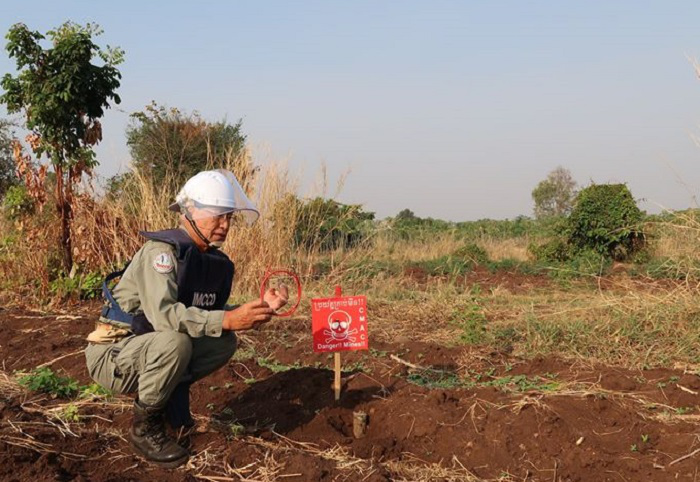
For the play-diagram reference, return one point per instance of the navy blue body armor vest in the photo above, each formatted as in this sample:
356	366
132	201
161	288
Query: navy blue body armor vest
204	279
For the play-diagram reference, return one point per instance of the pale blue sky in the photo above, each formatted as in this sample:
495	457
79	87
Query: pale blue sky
452	109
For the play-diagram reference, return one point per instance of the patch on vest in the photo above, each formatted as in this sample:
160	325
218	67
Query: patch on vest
163	263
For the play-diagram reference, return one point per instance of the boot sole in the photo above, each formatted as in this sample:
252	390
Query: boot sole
173	464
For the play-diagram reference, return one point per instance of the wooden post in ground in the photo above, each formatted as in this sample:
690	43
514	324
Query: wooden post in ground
336	357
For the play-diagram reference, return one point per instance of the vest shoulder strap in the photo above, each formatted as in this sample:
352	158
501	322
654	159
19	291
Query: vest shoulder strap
177	238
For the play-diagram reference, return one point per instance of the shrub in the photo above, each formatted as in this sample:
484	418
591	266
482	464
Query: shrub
17	202
606	219
472	252
555	250
326	224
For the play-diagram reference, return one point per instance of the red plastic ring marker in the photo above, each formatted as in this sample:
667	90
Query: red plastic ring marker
292	275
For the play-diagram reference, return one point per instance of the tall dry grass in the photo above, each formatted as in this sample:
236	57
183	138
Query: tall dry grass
106	230
677	238
109	226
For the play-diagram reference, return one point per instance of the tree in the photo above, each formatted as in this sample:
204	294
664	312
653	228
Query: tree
62	95
8	176
168	146
555	195
406	215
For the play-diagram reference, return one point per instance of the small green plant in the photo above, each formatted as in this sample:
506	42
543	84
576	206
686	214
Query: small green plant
523	383
436	379
645	438
378	353
245	353
236	429
46	381
471	321
70	413
93	391
633	448
84	286
358	366
275	366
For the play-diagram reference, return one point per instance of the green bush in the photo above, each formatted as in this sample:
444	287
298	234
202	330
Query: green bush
17	202
583	263
327	225
472	252
607	220
555	250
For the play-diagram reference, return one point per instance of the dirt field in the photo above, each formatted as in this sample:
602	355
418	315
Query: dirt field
270	414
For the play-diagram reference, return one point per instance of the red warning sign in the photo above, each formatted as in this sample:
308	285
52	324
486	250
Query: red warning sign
339	324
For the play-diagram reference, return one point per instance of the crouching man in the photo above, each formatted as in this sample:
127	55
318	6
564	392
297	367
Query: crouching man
166	323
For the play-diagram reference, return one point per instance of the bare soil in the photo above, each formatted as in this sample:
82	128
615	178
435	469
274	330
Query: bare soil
273	409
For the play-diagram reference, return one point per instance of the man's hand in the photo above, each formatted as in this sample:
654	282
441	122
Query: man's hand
277	298
248	316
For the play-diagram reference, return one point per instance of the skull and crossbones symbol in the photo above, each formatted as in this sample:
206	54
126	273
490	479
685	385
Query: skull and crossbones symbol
339	323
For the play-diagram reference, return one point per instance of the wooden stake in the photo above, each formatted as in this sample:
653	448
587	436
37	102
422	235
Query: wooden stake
336	382
336	358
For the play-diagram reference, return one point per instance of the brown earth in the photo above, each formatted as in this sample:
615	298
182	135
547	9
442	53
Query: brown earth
270	415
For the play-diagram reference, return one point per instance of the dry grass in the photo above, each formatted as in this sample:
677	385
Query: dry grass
500	249
411	468
627	323
386	246
677	243
105	231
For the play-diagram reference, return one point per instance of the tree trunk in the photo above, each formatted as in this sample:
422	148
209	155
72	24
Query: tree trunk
64	211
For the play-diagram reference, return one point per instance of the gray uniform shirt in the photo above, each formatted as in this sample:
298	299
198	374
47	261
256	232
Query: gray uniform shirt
149	286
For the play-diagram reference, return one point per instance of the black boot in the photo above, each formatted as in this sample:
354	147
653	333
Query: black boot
177	410
149	439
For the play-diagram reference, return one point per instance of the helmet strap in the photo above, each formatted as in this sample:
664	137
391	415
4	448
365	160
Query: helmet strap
199	233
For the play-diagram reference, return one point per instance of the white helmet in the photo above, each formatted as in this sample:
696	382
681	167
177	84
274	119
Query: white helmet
214	193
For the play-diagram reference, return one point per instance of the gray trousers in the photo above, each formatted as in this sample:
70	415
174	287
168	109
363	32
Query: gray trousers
154	363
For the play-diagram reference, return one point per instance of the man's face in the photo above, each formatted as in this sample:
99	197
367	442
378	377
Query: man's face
214	227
